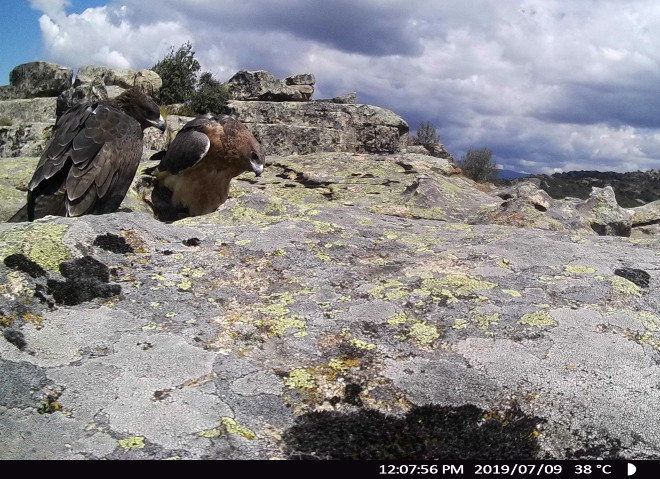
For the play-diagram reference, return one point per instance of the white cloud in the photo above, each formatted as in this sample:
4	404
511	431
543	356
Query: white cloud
53	8
104	36
543	83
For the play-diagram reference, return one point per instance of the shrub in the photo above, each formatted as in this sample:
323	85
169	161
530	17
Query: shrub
426	134
477	165
5	121
178	70
210	97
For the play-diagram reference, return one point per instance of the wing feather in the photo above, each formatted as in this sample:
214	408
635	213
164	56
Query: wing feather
95	148
189	146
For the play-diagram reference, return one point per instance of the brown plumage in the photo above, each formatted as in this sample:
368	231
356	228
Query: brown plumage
92	157
194	173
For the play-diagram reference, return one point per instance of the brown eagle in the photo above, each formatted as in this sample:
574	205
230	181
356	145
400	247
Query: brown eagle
92	157
194	172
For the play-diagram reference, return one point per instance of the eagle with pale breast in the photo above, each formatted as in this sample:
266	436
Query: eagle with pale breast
194	173
92	158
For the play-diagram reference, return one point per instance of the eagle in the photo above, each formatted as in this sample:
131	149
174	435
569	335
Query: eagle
91	159
194	173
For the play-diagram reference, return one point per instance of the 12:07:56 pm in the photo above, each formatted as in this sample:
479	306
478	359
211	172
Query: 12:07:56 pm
409	469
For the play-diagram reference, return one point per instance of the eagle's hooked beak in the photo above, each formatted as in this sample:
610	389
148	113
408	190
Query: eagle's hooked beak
161	124
257	164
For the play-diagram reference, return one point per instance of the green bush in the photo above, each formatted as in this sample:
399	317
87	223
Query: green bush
5	121
210	97
477	165
426	134
178	70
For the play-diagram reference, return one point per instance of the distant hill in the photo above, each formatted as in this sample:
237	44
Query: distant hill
510	174
631	189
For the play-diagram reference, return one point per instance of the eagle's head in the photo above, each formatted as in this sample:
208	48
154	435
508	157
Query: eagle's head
254	155
141	107
248	152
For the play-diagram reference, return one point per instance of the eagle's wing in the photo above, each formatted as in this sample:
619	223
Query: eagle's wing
90	161
189	146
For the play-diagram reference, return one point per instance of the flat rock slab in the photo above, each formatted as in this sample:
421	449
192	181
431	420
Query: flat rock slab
267	331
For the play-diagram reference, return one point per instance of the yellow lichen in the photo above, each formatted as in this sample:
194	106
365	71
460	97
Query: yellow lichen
300	379
650	321
423	333
485	320
391	290
579	270
460	324
400	318
539	319
279	326
41	242
233	427
623	287
134	442
512	292
360	344
459	285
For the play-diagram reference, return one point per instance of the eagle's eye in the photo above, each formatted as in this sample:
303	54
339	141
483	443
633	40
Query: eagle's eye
254	156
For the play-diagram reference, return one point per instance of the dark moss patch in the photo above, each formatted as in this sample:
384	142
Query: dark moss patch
604	448
192	242
15	337
86	267
638	276
352	394
86	279
20	262
425	433
113	243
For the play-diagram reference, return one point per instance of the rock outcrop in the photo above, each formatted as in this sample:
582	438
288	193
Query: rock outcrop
340	295
100	83
36	79
283	117
526	204
632	189
305	127
263	86
32	110
24	139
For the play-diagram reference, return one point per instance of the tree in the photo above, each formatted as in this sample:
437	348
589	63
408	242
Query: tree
178	70
210	97
477	165
426	134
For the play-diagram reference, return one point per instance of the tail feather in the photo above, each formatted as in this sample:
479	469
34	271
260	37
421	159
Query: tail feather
20	216
43	205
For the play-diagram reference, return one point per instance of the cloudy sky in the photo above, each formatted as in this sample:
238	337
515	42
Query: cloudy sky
547	85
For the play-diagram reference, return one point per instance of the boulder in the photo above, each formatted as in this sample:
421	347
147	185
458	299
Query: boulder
36	79
526	204
155	140
147	80
263	86
81	93
95	83
647	214
604	215
305	127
